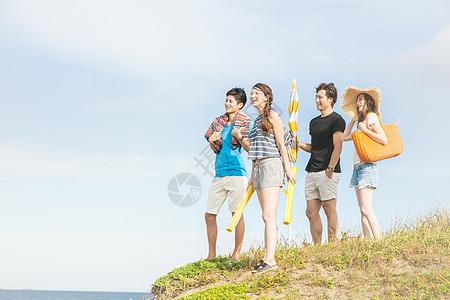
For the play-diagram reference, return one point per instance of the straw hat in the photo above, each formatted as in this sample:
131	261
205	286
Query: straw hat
349	100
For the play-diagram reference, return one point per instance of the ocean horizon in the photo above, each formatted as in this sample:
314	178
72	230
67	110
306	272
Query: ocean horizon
30	294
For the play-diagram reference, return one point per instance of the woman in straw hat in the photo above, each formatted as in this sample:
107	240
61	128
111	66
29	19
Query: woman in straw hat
363	106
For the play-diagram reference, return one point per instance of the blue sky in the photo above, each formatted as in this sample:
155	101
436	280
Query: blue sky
103	102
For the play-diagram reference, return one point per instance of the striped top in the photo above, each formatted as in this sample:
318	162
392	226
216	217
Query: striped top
262	145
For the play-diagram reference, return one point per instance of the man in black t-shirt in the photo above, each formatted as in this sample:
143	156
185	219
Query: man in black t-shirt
323	167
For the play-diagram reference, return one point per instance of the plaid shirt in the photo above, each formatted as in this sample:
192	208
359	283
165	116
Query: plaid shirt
240	120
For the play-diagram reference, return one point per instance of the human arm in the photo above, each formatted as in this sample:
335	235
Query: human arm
213	138
237	133
347	135
304	146
213	135
250	181
337	144
373	130
278	132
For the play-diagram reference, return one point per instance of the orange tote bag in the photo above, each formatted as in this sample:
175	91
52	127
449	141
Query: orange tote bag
370	151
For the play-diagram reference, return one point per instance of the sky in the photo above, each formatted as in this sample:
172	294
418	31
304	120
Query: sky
103	103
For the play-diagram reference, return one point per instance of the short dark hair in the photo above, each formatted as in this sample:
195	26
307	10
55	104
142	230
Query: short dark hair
239	95
330	90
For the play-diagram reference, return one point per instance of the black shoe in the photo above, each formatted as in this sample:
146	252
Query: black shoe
261	262
264	267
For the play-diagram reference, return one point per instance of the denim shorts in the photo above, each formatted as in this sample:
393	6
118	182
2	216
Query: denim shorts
364	175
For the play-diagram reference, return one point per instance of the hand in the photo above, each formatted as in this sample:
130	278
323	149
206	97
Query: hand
362	125
215	136
237	131
250	182
291	177
329	173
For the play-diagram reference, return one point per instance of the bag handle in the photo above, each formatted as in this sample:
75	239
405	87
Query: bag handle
379	120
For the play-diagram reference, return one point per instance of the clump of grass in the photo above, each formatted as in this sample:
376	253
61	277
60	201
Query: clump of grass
225	291
420	243
429	285
203	272
191	275
410	261
254	286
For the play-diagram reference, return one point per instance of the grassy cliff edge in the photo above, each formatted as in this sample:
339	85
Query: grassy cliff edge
411	261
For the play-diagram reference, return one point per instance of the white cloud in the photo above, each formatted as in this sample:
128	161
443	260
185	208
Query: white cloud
39	161
428	65
168	39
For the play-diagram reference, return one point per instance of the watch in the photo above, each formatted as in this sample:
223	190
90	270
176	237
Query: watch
240	139
331	169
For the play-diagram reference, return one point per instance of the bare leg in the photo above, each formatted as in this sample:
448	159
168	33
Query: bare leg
365	226
365	205
329	207
268	198
238	237
315	223
211	231
364	222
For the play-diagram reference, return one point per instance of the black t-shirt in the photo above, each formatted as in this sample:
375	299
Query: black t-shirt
321	131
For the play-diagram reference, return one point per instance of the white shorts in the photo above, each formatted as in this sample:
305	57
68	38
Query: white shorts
231	187
319	186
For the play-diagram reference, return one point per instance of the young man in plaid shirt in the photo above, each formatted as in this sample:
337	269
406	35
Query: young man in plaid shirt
227	135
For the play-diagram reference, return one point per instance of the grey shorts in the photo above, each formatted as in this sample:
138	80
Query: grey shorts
319	186
268	172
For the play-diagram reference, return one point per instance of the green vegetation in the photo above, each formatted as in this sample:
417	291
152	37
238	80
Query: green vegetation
412	261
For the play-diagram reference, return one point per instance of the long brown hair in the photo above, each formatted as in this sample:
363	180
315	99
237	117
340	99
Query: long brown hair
266	125
370	104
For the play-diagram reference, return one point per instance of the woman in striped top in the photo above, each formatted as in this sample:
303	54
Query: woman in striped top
270	163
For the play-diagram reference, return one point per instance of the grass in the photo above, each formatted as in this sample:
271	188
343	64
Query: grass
411	261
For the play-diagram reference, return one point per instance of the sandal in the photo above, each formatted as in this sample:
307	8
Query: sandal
261	262
264	267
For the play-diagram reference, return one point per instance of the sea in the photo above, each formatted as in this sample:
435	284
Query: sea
71	295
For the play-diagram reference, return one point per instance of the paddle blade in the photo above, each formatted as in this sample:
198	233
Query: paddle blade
289	194
240	209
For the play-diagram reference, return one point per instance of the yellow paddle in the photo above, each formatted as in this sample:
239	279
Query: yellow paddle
289	193
240	209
